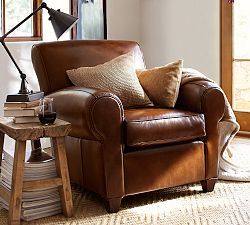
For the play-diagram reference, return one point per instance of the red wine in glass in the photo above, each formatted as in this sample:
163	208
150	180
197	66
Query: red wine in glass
47	117
46	114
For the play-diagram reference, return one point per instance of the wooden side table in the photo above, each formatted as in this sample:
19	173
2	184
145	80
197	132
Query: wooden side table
21	133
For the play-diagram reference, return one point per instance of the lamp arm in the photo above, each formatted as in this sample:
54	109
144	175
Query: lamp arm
23	89
43	5
10	55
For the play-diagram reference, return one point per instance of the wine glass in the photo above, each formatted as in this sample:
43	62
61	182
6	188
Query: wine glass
46	114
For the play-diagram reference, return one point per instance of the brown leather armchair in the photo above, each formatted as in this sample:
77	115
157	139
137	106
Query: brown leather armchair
118	152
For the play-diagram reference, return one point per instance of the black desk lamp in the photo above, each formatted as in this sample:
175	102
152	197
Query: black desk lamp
61	22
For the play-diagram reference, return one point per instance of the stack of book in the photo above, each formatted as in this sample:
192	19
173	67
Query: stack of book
23	112
35	204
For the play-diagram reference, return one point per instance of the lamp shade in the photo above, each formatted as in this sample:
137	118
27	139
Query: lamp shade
61	22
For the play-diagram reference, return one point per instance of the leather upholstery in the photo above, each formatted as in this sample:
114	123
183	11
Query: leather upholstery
154	126
169	146
177	164
205	97
74	155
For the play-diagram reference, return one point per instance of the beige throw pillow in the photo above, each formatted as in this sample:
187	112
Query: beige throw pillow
117	76
161	84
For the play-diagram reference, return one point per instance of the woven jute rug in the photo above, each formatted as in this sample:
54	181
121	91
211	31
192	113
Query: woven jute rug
228	204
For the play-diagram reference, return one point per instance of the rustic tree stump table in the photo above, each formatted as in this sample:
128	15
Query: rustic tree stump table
34	131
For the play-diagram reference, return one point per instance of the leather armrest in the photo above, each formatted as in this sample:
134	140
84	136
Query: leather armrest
93	113
207	98
96	115
202	97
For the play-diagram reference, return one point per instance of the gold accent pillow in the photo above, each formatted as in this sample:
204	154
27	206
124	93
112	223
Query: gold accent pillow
117	76
162	84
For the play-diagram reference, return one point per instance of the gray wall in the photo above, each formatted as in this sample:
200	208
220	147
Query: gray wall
124	19
170	29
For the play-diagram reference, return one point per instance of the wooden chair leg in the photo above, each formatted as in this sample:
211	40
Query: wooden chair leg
114	205
208	185
17	183
62	170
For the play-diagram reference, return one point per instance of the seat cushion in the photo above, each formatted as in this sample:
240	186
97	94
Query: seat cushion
154	126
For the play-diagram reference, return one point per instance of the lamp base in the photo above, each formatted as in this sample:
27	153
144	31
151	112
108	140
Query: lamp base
32	96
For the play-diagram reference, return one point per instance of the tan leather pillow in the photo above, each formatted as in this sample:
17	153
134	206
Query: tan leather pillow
161	84
117	76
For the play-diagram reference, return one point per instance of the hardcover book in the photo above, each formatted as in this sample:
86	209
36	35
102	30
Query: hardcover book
21	104
26	119
17	112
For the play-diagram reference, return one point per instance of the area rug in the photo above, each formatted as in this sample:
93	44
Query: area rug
228	204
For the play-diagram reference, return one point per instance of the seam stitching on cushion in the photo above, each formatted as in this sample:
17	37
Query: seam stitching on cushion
162	140
140	121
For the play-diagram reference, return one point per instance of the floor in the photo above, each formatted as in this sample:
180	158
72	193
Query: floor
238	141
241	144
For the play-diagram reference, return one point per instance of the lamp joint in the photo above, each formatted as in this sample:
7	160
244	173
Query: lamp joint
23	76
44	5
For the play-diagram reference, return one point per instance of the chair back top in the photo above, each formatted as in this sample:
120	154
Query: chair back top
52	59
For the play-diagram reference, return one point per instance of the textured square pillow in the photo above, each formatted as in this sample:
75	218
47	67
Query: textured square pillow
117	76
161	84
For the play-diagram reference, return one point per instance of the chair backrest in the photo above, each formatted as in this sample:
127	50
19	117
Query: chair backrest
52	59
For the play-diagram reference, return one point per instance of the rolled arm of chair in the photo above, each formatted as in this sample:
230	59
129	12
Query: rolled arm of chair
207	98
96	115
202	97
93	113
